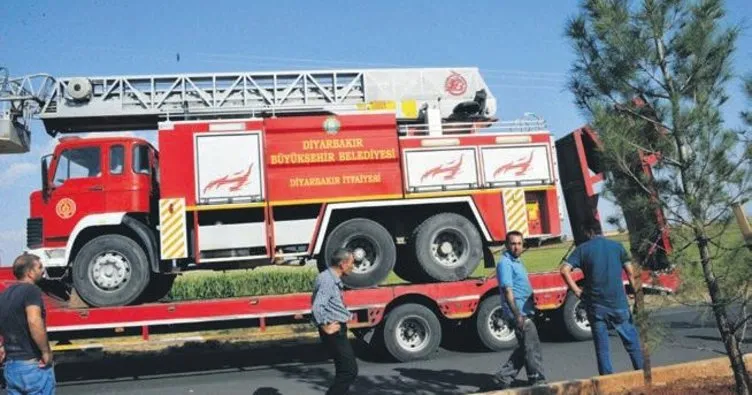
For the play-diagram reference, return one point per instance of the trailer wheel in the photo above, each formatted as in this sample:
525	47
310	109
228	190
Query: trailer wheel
411	332
447	247
110	270
493	331
574	318
372	247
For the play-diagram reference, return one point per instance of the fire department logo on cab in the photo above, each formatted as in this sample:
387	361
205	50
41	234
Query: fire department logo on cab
65	208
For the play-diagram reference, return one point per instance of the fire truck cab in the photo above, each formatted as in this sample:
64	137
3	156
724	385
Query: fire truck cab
96	205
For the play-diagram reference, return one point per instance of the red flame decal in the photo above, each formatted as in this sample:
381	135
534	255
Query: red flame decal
235	180
521	165
450	169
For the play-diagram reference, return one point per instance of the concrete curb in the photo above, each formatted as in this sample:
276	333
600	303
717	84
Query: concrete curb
621	382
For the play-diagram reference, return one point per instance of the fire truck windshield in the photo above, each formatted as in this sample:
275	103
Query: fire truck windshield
78	163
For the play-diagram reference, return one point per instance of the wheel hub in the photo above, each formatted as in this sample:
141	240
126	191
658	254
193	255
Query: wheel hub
449	247
110	271
580	317
413	333
364	253
359	254
498	327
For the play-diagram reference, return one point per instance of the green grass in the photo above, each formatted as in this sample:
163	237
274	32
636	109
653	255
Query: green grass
235	283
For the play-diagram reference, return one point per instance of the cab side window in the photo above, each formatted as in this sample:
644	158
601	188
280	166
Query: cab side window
141	159
117	159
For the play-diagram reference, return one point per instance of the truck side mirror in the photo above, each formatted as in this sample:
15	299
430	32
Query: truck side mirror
45	178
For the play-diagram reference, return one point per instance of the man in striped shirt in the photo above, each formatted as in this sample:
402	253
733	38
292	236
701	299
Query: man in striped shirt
330	317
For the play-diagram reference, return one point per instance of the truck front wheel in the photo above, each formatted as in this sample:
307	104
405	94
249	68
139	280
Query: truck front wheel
110	270
447	247
373	249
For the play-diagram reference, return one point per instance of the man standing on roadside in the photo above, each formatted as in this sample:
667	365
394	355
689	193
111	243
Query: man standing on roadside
28	366
331	316
518	307
602	262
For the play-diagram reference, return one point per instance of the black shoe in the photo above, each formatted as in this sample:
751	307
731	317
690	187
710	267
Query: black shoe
495	384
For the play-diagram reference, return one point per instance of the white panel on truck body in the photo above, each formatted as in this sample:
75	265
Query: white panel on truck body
228	167
429	169
517	165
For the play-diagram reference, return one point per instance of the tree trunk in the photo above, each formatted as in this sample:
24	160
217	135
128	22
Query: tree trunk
741	376
642	324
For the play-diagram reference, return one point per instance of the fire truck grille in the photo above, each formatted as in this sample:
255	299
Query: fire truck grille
34	232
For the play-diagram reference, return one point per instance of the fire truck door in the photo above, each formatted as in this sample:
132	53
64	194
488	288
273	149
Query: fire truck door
76	191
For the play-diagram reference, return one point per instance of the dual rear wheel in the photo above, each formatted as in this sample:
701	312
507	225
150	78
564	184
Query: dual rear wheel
444	247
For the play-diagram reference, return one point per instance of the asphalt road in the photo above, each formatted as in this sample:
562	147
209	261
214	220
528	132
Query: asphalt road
301	367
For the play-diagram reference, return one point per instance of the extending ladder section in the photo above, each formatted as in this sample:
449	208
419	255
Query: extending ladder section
140	102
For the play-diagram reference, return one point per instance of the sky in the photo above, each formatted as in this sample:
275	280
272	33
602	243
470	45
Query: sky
519	47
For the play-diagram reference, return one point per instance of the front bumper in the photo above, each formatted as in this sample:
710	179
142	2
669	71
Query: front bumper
50	257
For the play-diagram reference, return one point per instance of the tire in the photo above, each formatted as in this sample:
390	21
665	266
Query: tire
574	318
436	241
126	262
493	332
158	288
411	332
373	247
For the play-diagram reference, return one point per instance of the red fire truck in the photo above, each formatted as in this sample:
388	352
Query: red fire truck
409	168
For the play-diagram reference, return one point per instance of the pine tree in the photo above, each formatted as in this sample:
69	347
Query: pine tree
651	77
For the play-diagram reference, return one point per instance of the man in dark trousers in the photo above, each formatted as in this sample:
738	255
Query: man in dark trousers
331	316
602	262
28	366
518	307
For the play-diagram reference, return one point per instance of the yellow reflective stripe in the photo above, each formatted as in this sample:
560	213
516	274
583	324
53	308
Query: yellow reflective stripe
515	210
172	229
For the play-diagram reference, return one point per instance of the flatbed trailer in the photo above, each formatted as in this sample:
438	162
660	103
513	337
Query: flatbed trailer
407	321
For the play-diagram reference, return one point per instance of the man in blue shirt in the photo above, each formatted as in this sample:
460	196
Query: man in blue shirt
518	308
602	262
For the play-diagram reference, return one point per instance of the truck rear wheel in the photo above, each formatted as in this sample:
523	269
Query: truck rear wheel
411	332
574	318
493	331
373	249
447	247
110	270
